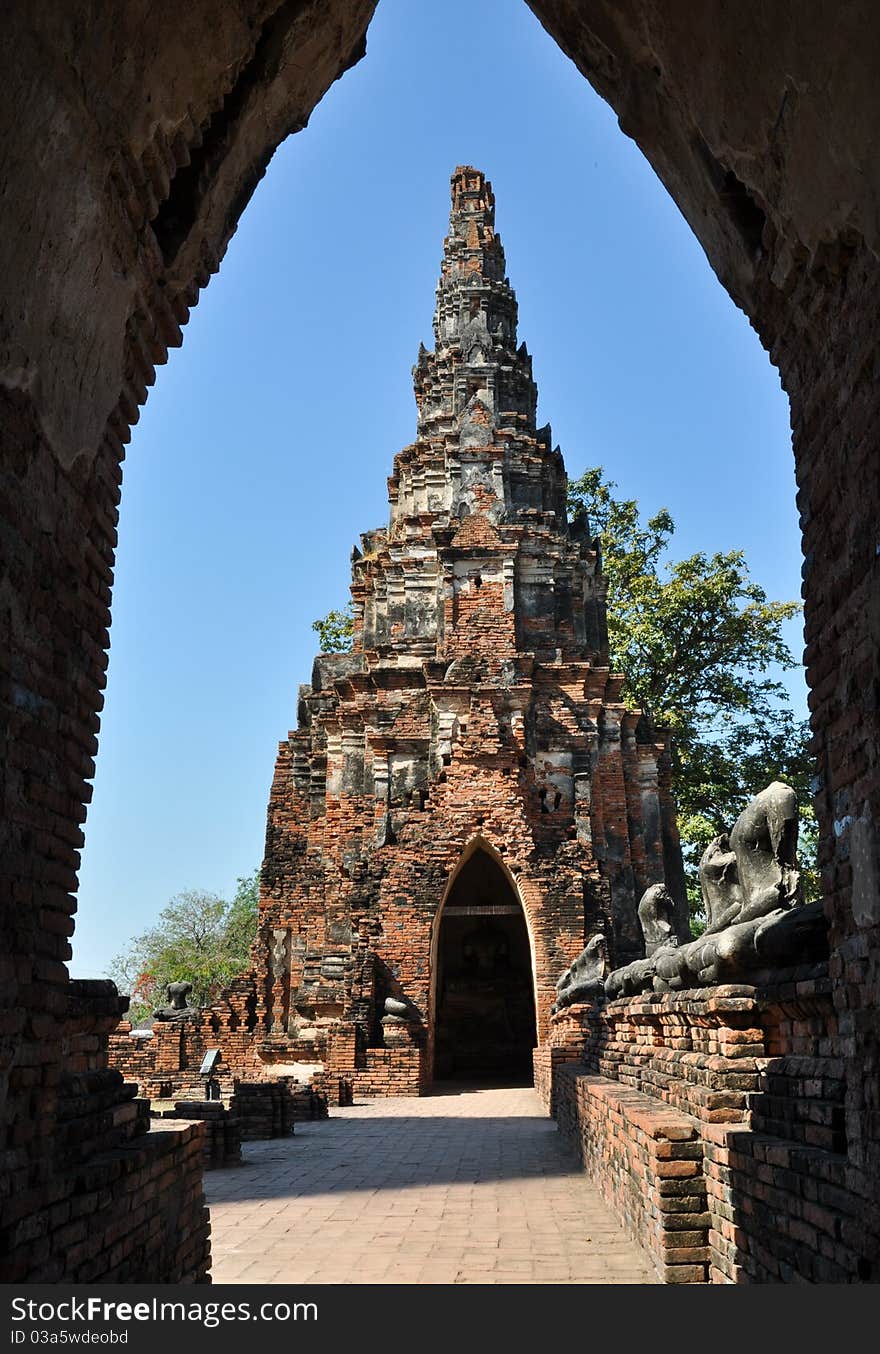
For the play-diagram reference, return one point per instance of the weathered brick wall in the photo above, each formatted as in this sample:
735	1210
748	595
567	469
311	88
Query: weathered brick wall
798	252
166	1062
648	1162
756	1074
221	1138
839	501
564	1045
111	1200
166	1066
110	238
390	1072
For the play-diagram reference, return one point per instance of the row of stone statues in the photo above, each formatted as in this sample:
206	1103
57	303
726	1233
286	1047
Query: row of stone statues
755	915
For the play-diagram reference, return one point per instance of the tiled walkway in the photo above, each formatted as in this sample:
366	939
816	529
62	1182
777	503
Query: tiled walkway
463	1187
460	1188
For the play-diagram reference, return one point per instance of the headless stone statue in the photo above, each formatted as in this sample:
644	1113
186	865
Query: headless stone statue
764	841
397	1011
400	1022
177	1009
754	908
584	981
719	885
656	914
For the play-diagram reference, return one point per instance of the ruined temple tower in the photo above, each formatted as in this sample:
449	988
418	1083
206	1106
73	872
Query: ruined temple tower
466	797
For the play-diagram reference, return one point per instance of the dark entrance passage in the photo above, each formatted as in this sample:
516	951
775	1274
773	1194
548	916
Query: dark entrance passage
485	1022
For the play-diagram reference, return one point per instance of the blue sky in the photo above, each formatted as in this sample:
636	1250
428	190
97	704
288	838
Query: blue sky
265	447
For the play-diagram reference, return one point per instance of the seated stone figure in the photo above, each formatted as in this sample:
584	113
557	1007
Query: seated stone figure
400	1023
656	912
584	981
748	881
764	841
177	994
755	915
656	915
399	1011
719	885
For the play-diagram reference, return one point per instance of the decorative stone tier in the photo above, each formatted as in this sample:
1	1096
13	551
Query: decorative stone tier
754	1074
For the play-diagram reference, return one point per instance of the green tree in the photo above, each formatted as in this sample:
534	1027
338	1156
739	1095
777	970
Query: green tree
336	631
702	647
198	938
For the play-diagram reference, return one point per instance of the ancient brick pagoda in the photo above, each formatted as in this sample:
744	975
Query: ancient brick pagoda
466	797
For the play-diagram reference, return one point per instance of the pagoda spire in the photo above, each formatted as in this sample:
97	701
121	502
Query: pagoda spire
476	359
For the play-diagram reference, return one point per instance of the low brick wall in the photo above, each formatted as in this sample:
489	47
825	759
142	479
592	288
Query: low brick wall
374	1072
397	1071
165	1060
648	1162
133	1214
264	1109
546	1062
221	1144
755	1073
118	1202
165	1066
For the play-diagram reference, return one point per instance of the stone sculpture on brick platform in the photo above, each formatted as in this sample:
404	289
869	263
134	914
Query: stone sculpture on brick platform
756	916
719	884
585	980
401	1024
657	919
178	1009
750	883
764	841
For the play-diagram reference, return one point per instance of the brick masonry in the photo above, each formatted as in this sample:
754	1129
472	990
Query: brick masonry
115	1202
747	1084
221	1137
164	1064
146	163
471	754
473	740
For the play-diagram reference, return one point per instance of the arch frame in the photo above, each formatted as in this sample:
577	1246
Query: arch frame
472	847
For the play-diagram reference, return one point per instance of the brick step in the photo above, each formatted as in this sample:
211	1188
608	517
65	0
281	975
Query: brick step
704	1100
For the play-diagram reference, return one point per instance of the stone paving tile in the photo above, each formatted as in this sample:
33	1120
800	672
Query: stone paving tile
466	1186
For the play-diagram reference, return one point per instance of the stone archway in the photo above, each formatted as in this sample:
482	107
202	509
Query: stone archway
483	1014
126	164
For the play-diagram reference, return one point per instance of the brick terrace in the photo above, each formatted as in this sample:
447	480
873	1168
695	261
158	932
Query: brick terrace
464	1187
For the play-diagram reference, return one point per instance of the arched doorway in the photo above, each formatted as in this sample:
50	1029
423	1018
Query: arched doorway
484	993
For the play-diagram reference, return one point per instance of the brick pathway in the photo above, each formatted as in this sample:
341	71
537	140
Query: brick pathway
469	1187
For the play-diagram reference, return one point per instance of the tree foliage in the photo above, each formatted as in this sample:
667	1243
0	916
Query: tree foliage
198	938
702	648
335	631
